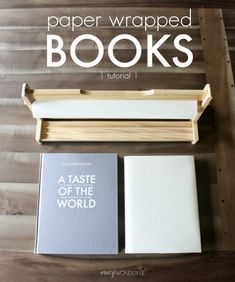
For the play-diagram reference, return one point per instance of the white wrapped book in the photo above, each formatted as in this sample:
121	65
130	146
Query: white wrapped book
161	208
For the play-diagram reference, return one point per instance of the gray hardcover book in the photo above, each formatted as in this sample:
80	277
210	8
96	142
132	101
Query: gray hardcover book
77	204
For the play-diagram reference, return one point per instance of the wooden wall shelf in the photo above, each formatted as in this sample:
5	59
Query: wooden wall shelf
169	128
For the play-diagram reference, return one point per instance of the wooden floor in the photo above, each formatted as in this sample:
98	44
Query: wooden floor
23	59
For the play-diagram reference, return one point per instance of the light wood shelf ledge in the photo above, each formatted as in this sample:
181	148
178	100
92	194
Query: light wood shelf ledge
168	129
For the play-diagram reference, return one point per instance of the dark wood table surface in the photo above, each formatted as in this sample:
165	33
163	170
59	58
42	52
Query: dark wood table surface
23	29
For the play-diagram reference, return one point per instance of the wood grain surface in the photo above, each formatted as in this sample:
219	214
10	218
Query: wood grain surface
222	85
118	3
211	267
22	59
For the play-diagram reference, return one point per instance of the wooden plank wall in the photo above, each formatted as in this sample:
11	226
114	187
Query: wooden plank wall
23	59
229	23
219	74
118	3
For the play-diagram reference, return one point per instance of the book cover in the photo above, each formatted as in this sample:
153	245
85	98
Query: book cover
77	205
161	210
